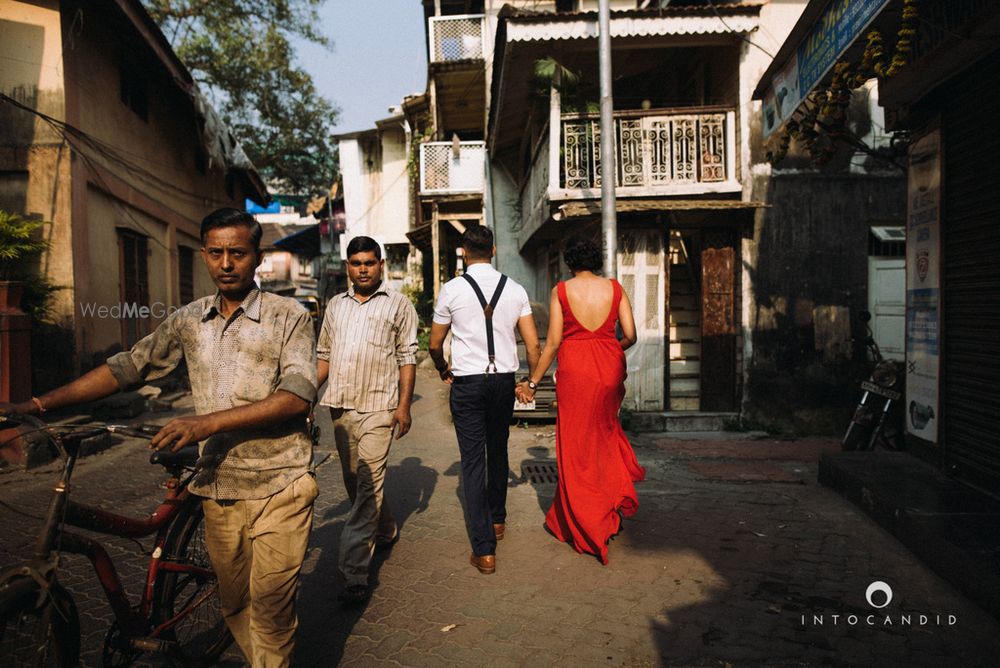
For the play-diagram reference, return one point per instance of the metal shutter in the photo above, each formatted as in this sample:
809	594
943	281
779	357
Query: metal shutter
971	278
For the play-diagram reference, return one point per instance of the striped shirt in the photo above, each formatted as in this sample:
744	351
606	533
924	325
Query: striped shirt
266	345
365	344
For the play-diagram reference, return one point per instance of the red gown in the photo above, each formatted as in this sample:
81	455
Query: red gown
597	466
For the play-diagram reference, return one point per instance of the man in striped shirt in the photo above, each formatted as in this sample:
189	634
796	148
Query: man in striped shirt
367	348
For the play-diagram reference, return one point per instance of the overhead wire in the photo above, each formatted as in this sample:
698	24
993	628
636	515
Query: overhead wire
736	32
109	151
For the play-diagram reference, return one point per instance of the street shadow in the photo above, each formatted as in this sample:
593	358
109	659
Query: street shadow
455	470
323	633
408	488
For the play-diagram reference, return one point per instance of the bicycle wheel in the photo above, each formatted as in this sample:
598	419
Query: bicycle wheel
201	634
38	629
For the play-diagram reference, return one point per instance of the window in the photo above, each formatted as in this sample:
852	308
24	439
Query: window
185	272
887	241
133	90
395	261
134	285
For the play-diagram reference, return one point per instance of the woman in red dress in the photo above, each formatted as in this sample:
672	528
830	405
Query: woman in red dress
597	467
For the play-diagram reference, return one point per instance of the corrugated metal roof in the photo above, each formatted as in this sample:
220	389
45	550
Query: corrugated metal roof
625	26
526	25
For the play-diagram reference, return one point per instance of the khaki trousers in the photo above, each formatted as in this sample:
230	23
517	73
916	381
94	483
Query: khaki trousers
363	441
256	547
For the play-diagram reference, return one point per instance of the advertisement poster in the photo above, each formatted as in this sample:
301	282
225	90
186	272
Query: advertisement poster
923	287
838	27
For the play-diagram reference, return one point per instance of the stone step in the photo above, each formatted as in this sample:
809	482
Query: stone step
680	421
685	350
684	333
684	302
684	367
685	404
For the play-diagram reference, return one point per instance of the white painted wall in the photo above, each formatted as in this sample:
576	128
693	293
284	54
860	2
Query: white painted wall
376	187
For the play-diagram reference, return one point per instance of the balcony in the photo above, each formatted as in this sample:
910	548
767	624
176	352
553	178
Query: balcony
456	38
659	152
443	171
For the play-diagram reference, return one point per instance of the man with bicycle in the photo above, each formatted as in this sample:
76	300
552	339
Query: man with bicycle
251	361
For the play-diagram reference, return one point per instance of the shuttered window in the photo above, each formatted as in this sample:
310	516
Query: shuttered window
134	285
185	273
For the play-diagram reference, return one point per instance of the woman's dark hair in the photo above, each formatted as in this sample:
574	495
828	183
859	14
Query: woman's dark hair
364	245
582	254
229	217
478	241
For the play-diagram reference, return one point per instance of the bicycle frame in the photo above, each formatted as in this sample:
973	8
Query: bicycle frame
133	622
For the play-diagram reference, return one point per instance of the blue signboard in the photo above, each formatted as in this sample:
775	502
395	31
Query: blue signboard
273	207
838	27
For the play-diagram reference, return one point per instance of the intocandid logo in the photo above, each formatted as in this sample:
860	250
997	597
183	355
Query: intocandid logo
875	587
879	595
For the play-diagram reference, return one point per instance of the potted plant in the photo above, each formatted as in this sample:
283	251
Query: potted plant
20	246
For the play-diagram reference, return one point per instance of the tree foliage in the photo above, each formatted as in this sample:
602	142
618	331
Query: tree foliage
240	52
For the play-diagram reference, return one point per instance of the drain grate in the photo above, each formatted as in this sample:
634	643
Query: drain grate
540	472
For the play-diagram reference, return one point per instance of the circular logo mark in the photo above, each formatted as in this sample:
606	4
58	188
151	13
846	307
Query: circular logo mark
878	586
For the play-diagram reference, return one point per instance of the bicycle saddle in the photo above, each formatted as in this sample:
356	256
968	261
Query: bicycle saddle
186	456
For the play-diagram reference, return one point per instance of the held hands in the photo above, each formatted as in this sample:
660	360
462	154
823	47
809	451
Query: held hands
524	393
182	431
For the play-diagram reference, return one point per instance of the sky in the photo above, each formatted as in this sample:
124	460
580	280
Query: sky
378	57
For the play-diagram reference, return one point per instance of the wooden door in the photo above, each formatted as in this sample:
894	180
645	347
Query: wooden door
718	326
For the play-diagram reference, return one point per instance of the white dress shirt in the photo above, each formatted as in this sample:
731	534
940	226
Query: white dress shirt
459	307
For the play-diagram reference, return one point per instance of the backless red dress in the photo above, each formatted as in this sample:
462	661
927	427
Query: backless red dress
597	466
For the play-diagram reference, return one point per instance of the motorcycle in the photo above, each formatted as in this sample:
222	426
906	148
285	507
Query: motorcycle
877	418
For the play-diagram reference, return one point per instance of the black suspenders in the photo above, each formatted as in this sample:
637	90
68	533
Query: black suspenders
488	312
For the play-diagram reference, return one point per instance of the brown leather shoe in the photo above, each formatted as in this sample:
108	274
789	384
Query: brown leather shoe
486	564
499	530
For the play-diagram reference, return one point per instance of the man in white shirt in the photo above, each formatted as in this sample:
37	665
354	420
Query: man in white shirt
482	309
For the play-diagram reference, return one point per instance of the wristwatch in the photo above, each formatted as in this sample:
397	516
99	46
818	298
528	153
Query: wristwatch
532	385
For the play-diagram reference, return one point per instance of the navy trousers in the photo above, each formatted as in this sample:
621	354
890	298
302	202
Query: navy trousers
482	407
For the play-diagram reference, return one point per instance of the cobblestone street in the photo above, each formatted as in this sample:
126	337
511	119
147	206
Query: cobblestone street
736	556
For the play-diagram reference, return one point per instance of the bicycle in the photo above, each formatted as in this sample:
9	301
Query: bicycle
178	613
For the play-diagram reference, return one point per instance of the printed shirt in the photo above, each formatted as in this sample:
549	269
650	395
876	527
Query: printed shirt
459	307
365	344
266	345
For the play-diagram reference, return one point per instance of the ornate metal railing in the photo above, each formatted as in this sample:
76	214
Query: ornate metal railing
653	148
445	170
456	37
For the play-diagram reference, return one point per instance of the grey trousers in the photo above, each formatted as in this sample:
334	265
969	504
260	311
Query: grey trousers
363	441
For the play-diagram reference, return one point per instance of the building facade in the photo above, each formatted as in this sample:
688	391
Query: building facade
375	170
104	133
742	275
940	60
